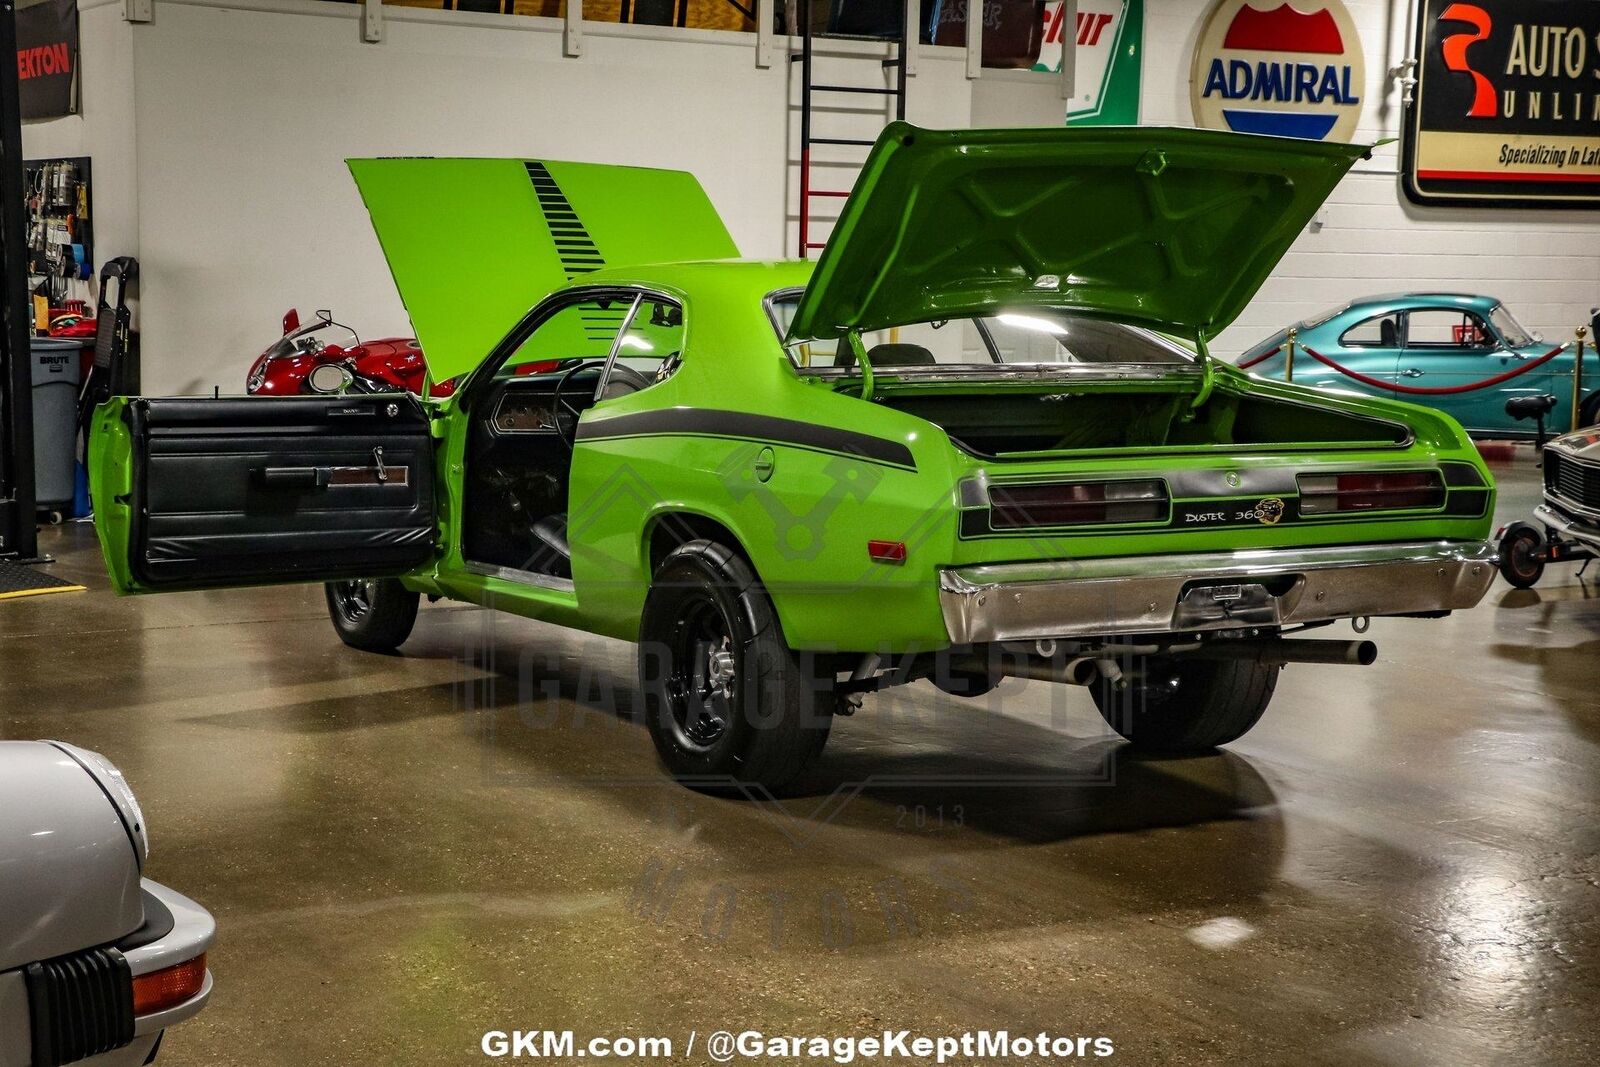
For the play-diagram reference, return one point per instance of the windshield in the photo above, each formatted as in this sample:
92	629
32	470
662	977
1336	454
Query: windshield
305	339
1511	330
1037	337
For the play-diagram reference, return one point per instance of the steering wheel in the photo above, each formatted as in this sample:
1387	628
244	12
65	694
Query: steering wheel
559	404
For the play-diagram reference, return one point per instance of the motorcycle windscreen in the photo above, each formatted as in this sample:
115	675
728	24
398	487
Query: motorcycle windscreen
474	243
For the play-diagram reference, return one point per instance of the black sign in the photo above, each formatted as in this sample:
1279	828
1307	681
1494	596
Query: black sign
47	59
1507	104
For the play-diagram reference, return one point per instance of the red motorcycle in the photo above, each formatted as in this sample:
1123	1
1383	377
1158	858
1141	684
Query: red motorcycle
328	357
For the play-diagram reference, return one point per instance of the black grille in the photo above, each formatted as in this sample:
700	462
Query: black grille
79	1005
1578	482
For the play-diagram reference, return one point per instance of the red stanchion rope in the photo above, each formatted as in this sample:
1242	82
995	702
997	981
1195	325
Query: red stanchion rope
1443	390
1262	358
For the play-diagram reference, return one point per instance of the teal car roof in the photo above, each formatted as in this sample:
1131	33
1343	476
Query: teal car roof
1475	301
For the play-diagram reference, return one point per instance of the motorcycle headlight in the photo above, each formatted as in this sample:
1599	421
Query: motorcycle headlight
118	790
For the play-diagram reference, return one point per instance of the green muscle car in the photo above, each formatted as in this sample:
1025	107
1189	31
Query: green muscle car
981	436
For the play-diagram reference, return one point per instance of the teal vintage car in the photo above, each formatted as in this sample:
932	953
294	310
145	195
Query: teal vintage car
962	445
1465	355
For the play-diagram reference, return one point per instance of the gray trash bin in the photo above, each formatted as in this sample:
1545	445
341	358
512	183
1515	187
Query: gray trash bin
55	420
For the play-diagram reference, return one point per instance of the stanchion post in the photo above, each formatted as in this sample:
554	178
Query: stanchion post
1288	363
1577	380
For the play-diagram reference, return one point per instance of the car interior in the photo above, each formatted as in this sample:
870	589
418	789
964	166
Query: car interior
519	448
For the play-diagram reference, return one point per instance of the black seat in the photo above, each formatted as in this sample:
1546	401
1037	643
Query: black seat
888	354
1532	407
1388	334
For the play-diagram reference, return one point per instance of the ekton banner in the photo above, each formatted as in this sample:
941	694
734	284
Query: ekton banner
47	59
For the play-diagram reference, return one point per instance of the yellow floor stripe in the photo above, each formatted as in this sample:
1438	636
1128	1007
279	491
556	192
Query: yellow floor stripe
41	592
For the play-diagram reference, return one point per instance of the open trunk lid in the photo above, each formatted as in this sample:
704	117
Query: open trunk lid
474	243
1172	229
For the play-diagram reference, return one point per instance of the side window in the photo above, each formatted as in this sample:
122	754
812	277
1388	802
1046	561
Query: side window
1446	328
1380	331
584	330
650	351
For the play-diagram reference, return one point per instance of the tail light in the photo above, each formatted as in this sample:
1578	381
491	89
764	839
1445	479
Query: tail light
169	987
1327	494
1077	504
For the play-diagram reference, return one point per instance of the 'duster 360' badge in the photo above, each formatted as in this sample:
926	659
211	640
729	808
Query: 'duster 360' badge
1291	70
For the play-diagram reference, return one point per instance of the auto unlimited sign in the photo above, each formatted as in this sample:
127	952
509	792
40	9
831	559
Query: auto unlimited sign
1507	104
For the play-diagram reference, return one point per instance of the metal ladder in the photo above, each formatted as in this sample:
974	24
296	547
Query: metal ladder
809	88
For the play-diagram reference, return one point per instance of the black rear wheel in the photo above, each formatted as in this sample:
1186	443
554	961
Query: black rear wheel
1181	706
372	614
727	702
1520	561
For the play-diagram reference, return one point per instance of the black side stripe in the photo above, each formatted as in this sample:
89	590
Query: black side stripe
706	422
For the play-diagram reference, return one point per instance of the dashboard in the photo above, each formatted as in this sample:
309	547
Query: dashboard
525	411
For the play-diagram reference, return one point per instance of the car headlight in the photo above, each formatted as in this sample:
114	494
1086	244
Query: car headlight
118	790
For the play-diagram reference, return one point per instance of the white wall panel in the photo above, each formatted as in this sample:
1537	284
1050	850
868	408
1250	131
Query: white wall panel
219	132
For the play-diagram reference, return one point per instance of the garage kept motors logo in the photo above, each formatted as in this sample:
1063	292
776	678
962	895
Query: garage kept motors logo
1283	70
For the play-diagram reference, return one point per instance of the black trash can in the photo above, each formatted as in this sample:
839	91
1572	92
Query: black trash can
56	377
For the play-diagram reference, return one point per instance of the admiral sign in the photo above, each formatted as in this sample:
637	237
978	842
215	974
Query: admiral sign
1507	104
1285	70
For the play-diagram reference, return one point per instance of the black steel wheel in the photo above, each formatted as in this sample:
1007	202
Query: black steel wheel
1177	705
1521	555
728	704
372	614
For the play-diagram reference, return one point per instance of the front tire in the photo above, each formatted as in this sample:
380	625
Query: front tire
1183	706
1520	564
372	614
727	702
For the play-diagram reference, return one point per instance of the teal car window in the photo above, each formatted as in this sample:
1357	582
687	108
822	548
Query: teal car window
1446	328
1380	331
1511	331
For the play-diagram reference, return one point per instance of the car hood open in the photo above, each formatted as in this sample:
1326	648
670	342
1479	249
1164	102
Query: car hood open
474	243
1173	229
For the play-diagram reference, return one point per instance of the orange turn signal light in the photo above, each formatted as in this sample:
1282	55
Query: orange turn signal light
168	987
887	551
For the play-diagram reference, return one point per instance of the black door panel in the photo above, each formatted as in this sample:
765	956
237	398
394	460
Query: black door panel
280	489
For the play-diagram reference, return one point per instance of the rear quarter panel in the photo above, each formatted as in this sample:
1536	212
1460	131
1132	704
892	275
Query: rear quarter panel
806	528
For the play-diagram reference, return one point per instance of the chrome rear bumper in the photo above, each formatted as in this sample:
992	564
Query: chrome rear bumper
1210	591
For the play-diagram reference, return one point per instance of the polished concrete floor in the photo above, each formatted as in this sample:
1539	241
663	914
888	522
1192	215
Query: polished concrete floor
1398	866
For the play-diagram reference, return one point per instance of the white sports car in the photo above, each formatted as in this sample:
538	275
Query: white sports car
95	961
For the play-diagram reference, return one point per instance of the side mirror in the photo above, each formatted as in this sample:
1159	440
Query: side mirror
291	320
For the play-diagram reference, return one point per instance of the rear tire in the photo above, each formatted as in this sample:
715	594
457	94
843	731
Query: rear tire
727	702
372	614
1183	706
1519	562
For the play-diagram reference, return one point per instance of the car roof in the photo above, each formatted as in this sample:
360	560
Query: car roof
1467	300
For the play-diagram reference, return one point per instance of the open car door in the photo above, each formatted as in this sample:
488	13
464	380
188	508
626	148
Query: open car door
198	492
193	492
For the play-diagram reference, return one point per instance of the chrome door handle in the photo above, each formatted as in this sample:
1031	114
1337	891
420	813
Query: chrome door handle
1411	372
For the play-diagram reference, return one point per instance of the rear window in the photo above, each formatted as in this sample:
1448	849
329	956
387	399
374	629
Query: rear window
1024	339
